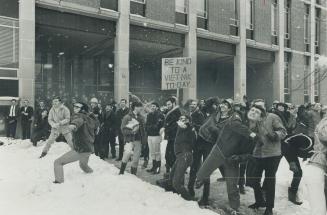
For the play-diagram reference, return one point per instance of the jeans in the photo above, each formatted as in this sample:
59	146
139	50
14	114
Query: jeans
269	166
52	138
154	147
71	157
170	154
231	172
201	151
177	175
132	148
315	180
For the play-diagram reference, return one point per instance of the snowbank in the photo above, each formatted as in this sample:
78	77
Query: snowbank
26	187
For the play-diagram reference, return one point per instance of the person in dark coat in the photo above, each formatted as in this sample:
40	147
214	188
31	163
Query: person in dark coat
183	147
230	135
12	115
97	113
154	123
85	126
41	128
170	129
108	132
122	111
26	119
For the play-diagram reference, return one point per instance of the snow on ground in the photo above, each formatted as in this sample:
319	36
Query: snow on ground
26	187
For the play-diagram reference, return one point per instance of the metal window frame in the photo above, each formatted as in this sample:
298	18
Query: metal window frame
185	7
204	12
139	1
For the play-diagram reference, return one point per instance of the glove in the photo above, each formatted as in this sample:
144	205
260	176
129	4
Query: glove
272	136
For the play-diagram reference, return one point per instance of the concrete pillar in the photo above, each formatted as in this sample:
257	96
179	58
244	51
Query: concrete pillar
278	76
26	72
121	79
190	49
240	56
313	51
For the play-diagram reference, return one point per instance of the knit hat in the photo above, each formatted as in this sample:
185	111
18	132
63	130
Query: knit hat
230	103
94	100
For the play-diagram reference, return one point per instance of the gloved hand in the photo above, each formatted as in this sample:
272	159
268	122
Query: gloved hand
272	136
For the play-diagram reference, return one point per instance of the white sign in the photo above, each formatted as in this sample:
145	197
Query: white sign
177	73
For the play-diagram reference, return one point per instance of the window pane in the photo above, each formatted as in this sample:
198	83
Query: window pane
180	6
201	8
249	14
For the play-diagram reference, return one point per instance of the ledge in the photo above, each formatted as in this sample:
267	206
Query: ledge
218	37
150	23
262	46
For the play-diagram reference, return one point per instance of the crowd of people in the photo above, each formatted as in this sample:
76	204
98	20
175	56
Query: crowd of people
243	139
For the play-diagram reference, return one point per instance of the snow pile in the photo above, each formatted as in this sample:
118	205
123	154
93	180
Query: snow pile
26	187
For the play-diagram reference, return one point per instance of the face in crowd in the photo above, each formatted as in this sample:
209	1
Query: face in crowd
317	107
56	103
108	108
170	105
123	103
42	105
138	110
94	104
25	103
255	114
281	108
193	106
225	108
77	107
153	108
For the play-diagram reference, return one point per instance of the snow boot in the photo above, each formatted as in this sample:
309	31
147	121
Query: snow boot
158	168
292	197
43	154
257	205
203	202
268	211
122	168
185	195
154	166
133	170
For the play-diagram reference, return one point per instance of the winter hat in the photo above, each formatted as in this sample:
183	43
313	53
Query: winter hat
230	103
263	111
84	107
94	100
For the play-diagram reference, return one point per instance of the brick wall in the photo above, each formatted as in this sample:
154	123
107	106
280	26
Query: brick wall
161	10
262	21
219	14
297	75
297	25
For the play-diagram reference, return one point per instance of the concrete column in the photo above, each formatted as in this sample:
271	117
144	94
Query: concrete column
312	49
278	76
240	56
26	72
190	49
121	79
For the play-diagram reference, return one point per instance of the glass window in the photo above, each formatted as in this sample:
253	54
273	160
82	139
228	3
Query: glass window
249	14
202	8
317	29
306	76
287	19
139	1
180	6
287	77
9	8
306	24
274	18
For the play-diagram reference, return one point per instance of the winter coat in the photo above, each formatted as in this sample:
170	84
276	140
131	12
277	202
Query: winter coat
59	115
313	120
128	134
268	147
120	113
320	152
109	123
28	117
185	140
154	122
84	134
233	137
205	130
171	123
41	130
197	120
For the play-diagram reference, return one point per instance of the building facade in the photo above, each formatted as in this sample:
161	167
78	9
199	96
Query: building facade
259	48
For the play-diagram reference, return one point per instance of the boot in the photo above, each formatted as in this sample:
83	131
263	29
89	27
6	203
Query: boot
145	164
257	205
292	197
185	195
158	168
154	166
242	189
203	201
191	190
268	211
133	170
122	168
